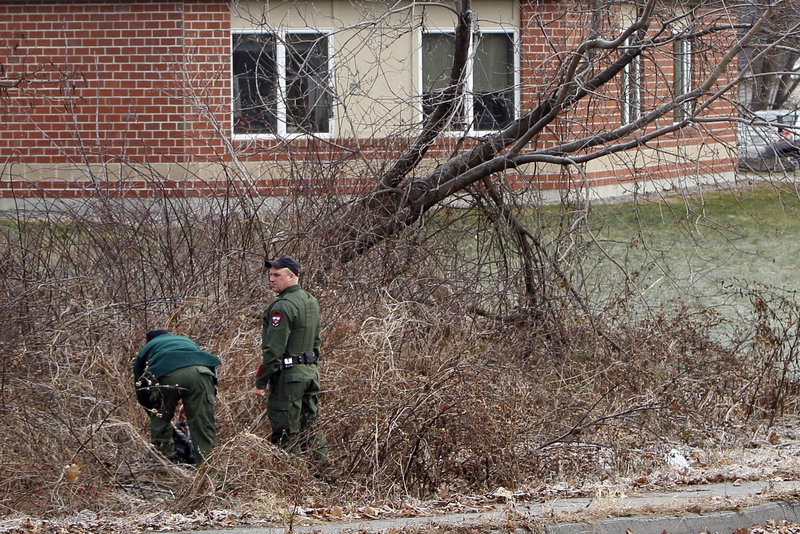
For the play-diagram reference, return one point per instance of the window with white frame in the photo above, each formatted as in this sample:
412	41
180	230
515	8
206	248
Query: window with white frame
631	89
682	50
281	82
490	97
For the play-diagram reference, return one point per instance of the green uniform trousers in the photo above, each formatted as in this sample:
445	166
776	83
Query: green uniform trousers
195	386
293	409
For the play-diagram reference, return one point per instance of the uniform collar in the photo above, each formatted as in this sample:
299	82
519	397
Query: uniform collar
290	289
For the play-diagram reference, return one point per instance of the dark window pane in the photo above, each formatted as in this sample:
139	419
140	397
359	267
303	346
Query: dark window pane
683	76
254	83
308	100
433	98
493	81
493	110
437	60
631	92
437	63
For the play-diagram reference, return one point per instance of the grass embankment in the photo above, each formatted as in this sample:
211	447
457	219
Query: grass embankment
695	248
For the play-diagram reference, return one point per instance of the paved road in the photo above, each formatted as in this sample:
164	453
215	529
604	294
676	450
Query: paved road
720	508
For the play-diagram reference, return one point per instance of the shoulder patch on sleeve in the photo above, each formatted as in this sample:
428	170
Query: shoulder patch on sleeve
275	319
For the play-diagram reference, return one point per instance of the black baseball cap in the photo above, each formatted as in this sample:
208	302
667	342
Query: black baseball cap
284	262
152	334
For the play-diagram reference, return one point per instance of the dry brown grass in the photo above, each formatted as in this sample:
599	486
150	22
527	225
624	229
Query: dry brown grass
423	395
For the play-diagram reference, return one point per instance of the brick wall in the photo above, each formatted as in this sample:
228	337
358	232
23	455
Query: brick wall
549	33
106	78
105	84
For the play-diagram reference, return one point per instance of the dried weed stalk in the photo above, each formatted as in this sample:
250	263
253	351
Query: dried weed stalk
436	380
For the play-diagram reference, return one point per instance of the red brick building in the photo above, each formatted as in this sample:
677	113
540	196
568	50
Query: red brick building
199	97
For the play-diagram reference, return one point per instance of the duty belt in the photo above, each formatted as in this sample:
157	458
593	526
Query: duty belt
290	360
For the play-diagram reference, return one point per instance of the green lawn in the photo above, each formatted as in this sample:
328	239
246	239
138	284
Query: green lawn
692	247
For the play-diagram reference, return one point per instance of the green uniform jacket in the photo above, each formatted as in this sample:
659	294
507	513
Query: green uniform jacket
164	354
290	327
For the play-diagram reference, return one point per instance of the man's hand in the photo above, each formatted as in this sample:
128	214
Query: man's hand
260	392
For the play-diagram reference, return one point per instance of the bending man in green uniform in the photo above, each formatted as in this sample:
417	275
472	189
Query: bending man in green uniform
170	368
290	341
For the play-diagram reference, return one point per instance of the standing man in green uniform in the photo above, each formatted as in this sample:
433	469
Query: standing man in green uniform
170	368
290	341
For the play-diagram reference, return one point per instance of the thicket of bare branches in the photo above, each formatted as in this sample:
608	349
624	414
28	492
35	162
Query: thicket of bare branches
463	349
771	62
424	389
